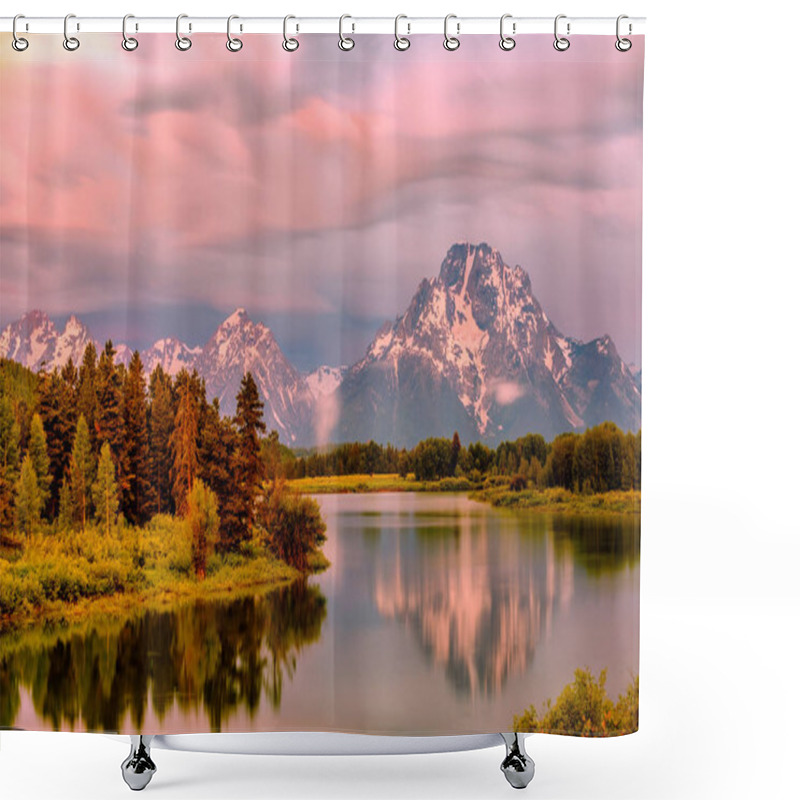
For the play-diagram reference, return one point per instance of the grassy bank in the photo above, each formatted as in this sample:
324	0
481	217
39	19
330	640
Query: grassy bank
495	491
359	484
62	577
560	500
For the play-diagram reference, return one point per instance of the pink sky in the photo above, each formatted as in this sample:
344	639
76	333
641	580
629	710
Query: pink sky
316	188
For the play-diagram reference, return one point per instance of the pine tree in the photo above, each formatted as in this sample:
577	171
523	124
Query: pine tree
248	466
66	504
105	491
37	449
87	389
160	425
9	462
57	408
455	450
217	446
134	483
110	420
81	472
184	440
29	500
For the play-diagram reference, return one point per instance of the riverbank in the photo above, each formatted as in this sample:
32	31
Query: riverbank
555	500
364	484
61	579
500	495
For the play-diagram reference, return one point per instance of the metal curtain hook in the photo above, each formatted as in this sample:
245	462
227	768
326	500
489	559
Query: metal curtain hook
507	42
71	43
561	43
345	42
451	42
289	44
623	45
182	42
401	42
233	44
18	43
129	43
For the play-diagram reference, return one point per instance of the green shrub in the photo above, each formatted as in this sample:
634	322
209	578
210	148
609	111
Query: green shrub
584	708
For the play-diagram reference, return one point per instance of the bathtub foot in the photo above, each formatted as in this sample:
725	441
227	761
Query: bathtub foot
138	768
517	766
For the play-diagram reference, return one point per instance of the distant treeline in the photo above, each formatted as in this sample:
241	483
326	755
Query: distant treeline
601	459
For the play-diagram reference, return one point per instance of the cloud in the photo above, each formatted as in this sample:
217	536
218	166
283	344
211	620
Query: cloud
320	180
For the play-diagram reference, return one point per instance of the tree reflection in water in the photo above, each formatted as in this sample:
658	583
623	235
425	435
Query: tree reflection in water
217	657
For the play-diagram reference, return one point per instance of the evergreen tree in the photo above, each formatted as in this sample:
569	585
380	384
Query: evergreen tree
455	451
110	419
37	449
184	440
81	472
248	466
66	504
160	425
9	462
217	446
105	491
87	389
57	403
134	483
29	500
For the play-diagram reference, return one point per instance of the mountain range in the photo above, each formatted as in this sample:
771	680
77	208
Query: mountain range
474	352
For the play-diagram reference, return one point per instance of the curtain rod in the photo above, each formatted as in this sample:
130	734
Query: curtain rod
408	25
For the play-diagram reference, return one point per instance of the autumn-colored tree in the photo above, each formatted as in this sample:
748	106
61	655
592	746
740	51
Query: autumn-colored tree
292	524
105	492
202	517
455	451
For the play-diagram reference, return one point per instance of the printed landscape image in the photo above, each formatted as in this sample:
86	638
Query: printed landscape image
331	462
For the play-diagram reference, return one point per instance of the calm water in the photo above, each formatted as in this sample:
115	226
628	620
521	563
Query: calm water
438	615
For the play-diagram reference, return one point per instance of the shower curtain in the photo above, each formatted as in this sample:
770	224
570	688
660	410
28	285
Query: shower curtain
320	390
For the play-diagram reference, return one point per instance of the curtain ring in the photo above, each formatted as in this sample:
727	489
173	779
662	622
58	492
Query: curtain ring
71	43
451	42
129	43
233	44
623	45
507	42
345	42
182	42
18	43
290	44
400	42
561	43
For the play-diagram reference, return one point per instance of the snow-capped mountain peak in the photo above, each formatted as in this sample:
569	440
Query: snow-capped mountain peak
34	341
475	345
